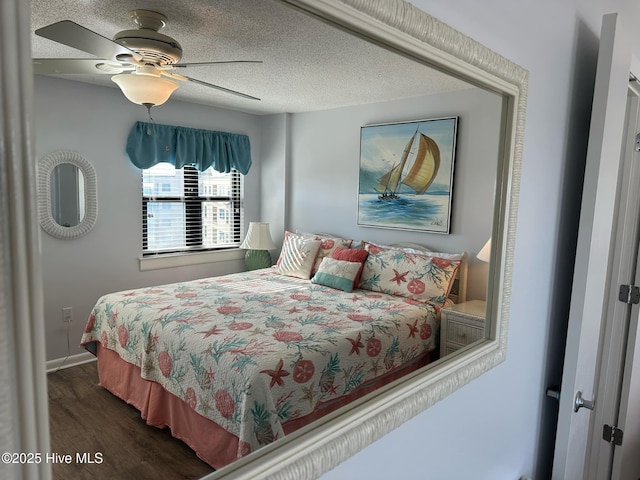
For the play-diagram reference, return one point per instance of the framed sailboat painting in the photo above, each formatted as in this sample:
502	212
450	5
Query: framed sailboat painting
406	174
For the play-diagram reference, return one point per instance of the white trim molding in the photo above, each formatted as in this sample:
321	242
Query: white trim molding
70	361
186	259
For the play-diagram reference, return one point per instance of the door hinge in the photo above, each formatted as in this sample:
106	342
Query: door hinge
612	434
638	142
629	294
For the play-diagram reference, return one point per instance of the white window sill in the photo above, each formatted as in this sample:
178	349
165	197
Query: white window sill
185	259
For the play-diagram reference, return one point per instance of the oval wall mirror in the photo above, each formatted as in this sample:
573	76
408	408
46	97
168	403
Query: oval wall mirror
67	195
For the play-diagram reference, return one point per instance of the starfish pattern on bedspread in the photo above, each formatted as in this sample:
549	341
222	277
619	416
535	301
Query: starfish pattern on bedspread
254	350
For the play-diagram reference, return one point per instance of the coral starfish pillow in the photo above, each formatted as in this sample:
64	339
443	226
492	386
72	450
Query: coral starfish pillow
421	277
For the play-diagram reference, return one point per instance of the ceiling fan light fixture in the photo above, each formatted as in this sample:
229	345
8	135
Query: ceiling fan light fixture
145	89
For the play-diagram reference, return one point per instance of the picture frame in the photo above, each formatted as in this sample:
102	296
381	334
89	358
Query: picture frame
406	174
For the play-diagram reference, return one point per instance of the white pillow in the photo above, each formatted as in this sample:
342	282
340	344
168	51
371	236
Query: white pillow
339	274
421	250
298	256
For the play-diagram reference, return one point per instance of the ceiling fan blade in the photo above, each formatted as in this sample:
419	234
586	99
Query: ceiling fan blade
218	87
73	35
196	64
68	66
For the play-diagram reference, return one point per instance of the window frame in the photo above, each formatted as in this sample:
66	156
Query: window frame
193	202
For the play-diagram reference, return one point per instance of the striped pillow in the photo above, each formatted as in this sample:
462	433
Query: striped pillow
328	245
298	256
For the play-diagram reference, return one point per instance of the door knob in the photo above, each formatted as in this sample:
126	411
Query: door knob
581	402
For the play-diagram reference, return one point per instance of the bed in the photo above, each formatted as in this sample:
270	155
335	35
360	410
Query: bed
235	362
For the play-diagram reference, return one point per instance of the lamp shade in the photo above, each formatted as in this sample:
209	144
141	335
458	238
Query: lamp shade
485	253
258	237
145	89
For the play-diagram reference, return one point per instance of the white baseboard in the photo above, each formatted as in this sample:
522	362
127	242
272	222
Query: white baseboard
70	361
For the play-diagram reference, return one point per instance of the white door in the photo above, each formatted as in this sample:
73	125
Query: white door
595	248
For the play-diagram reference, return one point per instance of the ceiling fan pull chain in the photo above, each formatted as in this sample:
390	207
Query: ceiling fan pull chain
149	105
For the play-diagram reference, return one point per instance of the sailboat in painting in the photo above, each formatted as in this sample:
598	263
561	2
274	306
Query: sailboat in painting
418	167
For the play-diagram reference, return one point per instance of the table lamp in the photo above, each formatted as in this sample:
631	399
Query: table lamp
485	253
257	243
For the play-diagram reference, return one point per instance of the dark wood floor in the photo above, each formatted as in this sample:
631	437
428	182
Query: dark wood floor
87	419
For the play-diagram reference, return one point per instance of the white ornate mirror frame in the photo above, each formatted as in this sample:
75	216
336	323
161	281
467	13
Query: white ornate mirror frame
407	30
46	166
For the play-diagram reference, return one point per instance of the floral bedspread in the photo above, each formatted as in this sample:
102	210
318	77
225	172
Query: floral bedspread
253	350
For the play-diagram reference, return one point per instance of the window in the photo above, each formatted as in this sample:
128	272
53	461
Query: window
187	210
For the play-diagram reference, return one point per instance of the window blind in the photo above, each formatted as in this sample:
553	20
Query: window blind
188	210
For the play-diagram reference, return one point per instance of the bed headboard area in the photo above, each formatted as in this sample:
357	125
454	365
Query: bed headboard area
458	292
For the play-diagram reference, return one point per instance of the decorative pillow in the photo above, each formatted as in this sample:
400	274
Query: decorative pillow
357	244
329	244
357	255
421	277
450	256
338	274
298	256
376	247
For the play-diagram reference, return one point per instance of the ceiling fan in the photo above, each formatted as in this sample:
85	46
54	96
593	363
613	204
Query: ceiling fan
142	61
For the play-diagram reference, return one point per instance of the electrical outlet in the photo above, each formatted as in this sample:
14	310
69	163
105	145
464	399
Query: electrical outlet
67	315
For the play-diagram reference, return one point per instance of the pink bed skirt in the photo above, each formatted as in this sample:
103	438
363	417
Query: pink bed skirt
207	439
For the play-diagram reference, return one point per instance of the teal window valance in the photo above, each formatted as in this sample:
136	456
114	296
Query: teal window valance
150	143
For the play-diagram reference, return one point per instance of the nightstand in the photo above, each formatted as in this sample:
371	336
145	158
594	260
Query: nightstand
461	325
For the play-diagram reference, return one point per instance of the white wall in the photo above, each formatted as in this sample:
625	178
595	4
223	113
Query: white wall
325	153
274	170
95	122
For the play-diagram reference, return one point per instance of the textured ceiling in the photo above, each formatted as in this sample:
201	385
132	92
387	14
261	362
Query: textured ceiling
307	64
